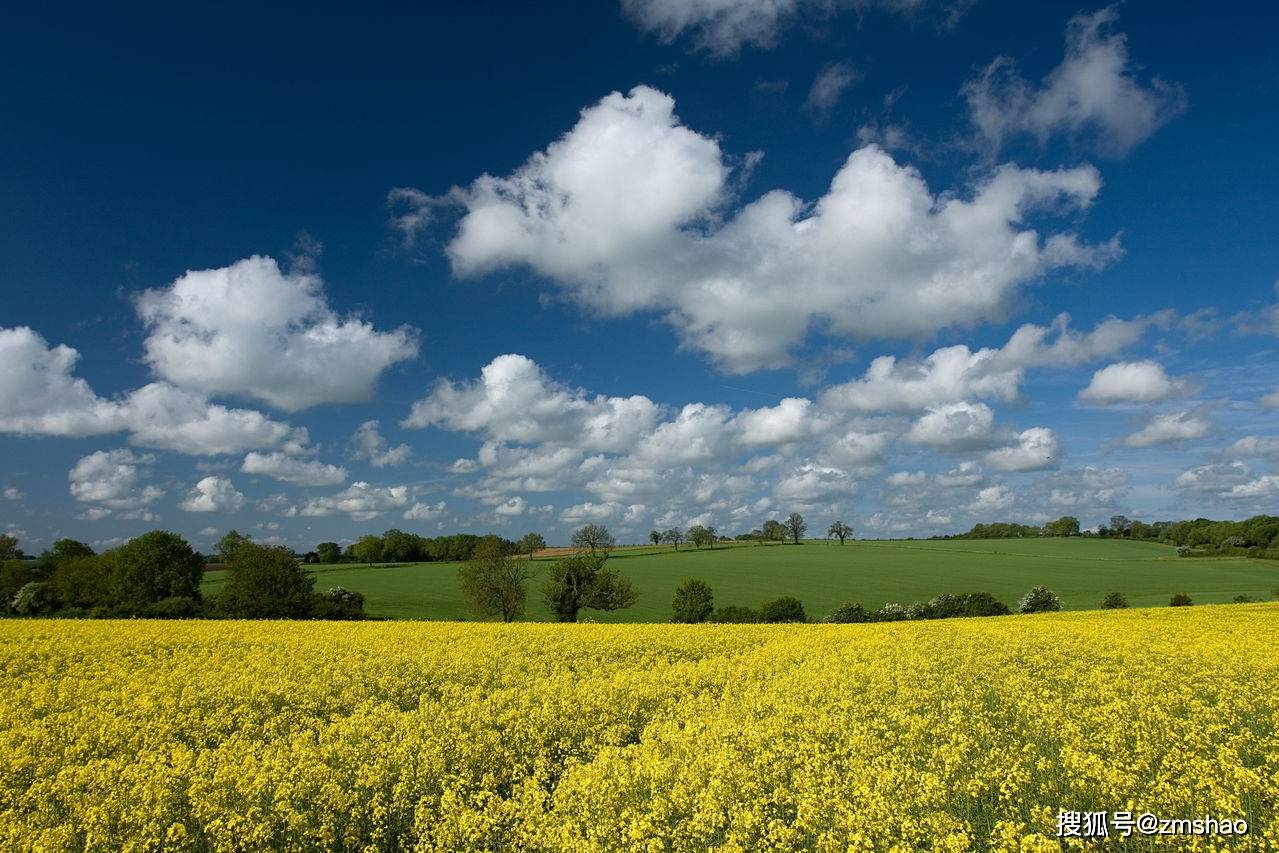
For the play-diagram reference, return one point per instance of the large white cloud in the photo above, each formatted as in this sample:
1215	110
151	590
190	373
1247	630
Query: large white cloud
1094	93
623	213
250	329
1133	382
514	400
40	395
213	494
290	469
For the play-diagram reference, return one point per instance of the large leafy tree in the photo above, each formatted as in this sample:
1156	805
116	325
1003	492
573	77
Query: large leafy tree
155	566
329	552
774	530
840	531
495	584
9	549
582	581
368	549
674	536
266	583
230	543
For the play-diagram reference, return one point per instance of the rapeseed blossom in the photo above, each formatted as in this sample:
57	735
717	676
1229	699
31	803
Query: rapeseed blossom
952	735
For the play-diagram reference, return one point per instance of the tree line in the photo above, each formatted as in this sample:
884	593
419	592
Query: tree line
1255	537
159	575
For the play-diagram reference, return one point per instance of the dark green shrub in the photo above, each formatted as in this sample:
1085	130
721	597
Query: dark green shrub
265	583
1180	600
84	581
14	575
338	603
734	615
891	612
981	604
693	602
1114	601
784	609
1242	599
849	613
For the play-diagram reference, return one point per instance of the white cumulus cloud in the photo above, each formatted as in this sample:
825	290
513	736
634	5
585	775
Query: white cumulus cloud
368	443
1133	382
213	494
290	469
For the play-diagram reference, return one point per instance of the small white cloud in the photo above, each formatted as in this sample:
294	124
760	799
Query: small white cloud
1262	487
1270	401
992	498
1035	450
1171	427
209	531
1093	93
1133	382
110	482
369	444
361	501
588	511
829	87
12	493
213	494
955	427
289	469
426	512
515	506
1255	445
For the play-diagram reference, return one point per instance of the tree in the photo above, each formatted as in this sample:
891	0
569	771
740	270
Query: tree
155	566
699	535
531	544
339	604
398	546
655	537
62	550
581	581
1067	525
1119	525
1180	600
594	537
1039	600
9	549
368	549
495	584
14	575
784	609
850	612
33	600
774	531
229	543
674	536
1114	601
266	583
840	531
735	615
693	602
84	581
795	526
329	552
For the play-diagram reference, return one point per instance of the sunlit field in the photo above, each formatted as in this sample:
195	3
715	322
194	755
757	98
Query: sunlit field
953	735
825	576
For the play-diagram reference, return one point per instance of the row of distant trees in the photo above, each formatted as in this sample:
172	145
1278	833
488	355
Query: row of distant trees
1256	536
159	575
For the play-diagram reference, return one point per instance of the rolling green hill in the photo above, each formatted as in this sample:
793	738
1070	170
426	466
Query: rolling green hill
825	575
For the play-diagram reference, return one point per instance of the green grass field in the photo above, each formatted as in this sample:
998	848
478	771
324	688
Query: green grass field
825	575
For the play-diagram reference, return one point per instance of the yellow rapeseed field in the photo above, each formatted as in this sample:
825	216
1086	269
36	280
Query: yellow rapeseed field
954	735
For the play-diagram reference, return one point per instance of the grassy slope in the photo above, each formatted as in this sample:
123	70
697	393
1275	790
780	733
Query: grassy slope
824	575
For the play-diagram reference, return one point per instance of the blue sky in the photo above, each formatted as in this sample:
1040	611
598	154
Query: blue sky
314	273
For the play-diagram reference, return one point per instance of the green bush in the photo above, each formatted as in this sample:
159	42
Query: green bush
734	615
1114	601
338	603
891	612
784	609
1039	600
849	613
156	566
265	583
1242	599
693	602
1180	600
